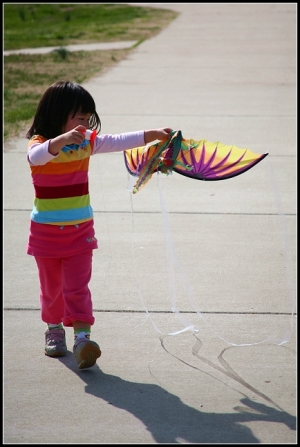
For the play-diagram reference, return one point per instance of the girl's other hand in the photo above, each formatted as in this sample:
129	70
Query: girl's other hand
157	134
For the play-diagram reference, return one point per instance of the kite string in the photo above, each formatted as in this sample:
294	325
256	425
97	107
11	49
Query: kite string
287	256
188	326
173	262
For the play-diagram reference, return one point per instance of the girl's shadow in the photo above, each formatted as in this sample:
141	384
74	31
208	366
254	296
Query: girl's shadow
168	419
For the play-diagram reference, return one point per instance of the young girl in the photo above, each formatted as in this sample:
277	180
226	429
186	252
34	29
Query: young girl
62	236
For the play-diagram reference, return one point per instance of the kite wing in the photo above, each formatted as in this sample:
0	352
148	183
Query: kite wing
136	159
204	160
143	162
201	160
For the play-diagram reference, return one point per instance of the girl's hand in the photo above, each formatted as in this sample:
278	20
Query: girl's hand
157	134
74	136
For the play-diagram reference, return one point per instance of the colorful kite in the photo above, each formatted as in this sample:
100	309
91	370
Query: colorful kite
201	160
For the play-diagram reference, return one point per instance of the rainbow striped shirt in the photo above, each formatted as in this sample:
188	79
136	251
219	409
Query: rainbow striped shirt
61	186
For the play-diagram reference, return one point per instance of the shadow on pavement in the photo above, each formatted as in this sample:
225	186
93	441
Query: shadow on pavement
168	419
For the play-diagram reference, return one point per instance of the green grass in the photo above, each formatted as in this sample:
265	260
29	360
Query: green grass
38	25
26	77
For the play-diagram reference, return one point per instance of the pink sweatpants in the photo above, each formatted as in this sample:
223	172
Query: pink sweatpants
64	293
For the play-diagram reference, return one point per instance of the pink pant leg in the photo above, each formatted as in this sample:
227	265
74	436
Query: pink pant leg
51	293
77	272
65	295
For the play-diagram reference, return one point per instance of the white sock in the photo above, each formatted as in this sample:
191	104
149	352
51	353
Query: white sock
82	334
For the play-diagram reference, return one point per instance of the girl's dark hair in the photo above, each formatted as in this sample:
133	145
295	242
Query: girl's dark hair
60	100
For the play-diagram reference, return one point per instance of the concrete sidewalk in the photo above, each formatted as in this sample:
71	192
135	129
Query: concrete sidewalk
221	72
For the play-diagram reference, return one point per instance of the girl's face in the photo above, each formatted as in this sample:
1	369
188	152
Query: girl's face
81	119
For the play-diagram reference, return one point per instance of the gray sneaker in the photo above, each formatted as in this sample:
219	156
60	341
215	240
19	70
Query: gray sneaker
55	342
86	353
